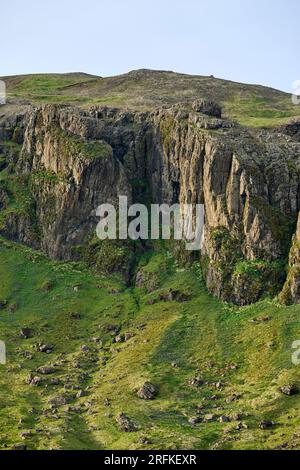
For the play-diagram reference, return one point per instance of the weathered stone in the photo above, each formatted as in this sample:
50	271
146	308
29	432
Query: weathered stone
125	423
207	107
266	424
209	418
46	370
289	390
59	400
148	391
26	333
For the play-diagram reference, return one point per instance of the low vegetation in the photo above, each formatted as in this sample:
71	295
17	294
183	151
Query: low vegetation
217	369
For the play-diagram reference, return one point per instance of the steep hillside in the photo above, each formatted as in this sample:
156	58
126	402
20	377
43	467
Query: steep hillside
217	369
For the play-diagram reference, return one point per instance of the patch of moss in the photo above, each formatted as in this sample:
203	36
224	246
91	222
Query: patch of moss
73	145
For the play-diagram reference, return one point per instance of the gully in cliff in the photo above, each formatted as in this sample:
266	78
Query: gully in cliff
180	222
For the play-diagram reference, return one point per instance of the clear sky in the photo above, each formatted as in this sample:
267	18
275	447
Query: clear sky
254	41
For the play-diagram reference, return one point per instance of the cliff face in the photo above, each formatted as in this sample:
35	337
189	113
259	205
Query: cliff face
291	290
68	161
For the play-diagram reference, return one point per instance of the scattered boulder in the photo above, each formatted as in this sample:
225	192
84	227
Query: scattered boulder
289	390
25	434
75	316
59	400
233	398
128	336
210	108
241	426
34	380
194	420
46	370
209	418
44	348
147	392
113	329
125	423
97	340
235	417
196	382
26	333
266	424
119	339
224	419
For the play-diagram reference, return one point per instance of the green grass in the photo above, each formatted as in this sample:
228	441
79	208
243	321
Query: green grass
259	112
201	336
251	105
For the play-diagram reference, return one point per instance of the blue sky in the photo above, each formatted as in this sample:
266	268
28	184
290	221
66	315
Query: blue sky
253	41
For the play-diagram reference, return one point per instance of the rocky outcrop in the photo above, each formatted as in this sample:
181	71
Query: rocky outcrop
74	160
291	290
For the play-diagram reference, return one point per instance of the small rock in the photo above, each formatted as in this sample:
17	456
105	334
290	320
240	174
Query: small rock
241	426
147	392
97	340
59	400
224	419
194	420
75	316
45	348
196	382
266	424
209	418
46	370
234	397
289	390
219	385
144	440
235	417
34	380
26	333
119	339
125	423
128	336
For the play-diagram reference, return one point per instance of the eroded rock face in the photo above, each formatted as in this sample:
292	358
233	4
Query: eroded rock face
70	161
291	290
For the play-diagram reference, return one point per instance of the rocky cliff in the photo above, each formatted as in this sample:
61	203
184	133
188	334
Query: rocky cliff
58	163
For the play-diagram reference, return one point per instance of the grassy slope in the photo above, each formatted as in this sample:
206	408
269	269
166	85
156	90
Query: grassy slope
202	336
251	105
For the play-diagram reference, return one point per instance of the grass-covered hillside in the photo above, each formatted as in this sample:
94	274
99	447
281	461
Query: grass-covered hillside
251	105
80	346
